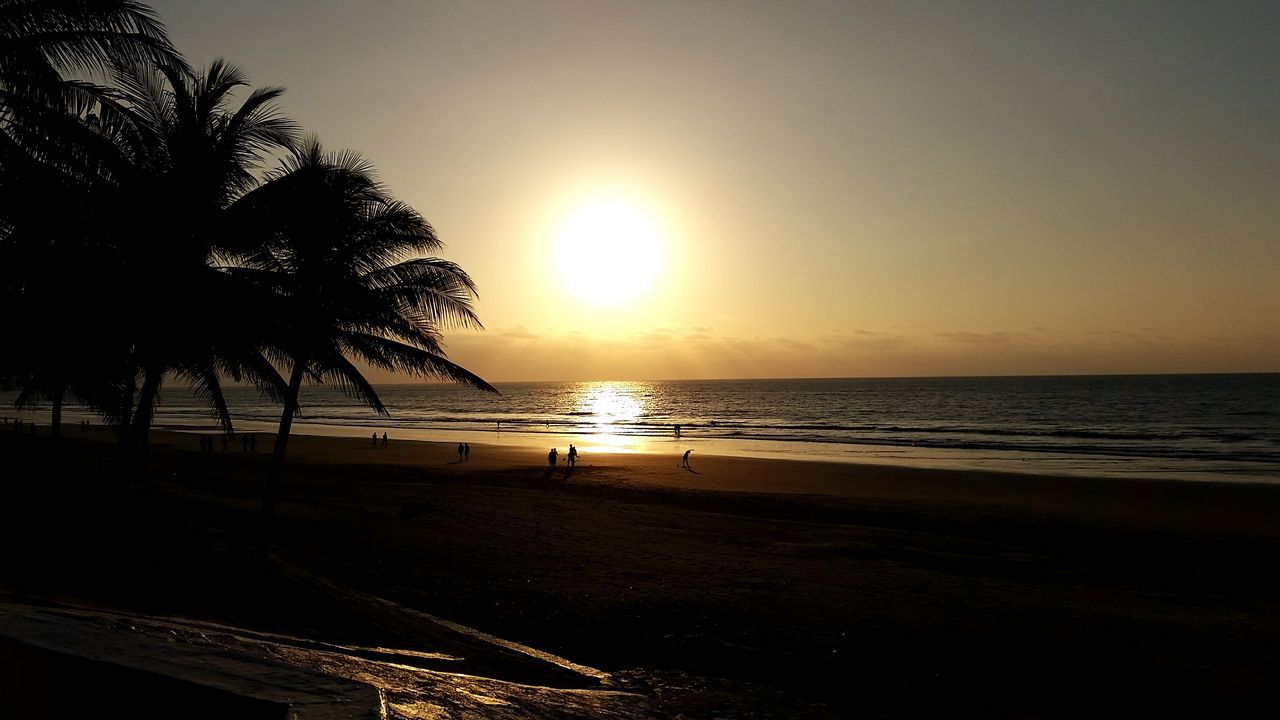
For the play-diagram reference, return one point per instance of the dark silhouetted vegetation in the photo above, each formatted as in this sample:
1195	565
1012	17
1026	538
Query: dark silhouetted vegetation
151	232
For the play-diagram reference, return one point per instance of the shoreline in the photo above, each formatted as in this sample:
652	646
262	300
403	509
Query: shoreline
1039	463
1137	503
1023	462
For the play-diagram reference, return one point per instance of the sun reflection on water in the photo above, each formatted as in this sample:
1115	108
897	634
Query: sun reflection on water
606	405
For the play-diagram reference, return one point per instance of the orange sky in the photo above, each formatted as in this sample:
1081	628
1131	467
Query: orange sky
838	189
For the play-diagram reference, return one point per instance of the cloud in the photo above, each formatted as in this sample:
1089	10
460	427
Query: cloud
519	333
974	337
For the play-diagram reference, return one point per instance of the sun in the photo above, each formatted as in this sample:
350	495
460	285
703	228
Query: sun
608	253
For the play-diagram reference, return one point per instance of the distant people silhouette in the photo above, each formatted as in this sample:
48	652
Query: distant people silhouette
384	439
573	455
685	462
677	427
551	458
461	450
375	438
466	451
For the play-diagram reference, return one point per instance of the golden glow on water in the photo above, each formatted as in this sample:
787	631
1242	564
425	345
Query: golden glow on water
610	403
607	405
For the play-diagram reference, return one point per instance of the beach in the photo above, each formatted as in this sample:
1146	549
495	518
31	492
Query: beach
741	587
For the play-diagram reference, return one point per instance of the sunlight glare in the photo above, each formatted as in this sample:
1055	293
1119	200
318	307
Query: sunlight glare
610	402
608	253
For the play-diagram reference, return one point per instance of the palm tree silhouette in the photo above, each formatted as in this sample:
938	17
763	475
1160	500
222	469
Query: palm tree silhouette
187	156
52	114
165	229
52	52
346	261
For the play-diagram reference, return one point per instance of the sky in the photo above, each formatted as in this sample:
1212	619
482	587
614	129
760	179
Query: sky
820	189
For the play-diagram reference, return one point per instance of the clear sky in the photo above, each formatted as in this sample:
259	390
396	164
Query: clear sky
819	189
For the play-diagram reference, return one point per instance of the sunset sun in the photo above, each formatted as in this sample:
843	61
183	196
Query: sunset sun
608	253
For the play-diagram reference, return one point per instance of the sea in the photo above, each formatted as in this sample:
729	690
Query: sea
1195	427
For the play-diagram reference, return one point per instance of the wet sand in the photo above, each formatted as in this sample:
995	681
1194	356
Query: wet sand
742	588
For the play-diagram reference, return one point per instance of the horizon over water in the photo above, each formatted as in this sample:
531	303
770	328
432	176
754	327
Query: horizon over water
1205	427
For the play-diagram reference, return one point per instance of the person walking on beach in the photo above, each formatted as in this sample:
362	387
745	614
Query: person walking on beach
677	428
375	438
466	451
551	458
573	455
685	462
384	439
461	450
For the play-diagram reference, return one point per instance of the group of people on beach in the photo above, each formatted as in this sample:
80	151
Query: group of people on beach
571	458
19	424
375	439
464	452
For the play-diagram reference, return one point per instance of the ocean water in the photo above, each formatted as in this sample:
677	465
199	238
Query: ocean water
1223	427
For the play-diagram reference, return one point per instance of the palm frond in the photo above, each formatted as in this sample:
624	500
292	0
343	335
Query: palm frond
339	371
400	357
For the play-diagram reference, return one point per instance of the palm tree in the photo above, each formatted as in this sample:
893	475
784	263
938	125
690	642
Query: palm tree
347	263
189	157
51	51
52	120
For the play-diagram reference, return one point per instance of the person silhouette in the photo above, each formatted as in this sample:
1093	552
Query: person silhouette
466	451
461	450
375	438
551	458
384	439
677	429
685	462
573	455
253	443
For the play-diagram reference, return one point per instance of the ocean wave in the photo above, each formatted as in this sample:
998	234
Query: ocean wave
1229	421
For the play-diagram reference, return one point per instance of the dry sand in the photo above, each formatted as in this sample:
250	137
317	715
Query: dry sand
742	588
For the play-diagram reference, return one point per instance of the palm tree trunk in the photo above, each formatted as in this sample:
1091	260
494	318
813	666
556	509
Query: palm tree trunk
141	426
124	433
282	440
55	427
